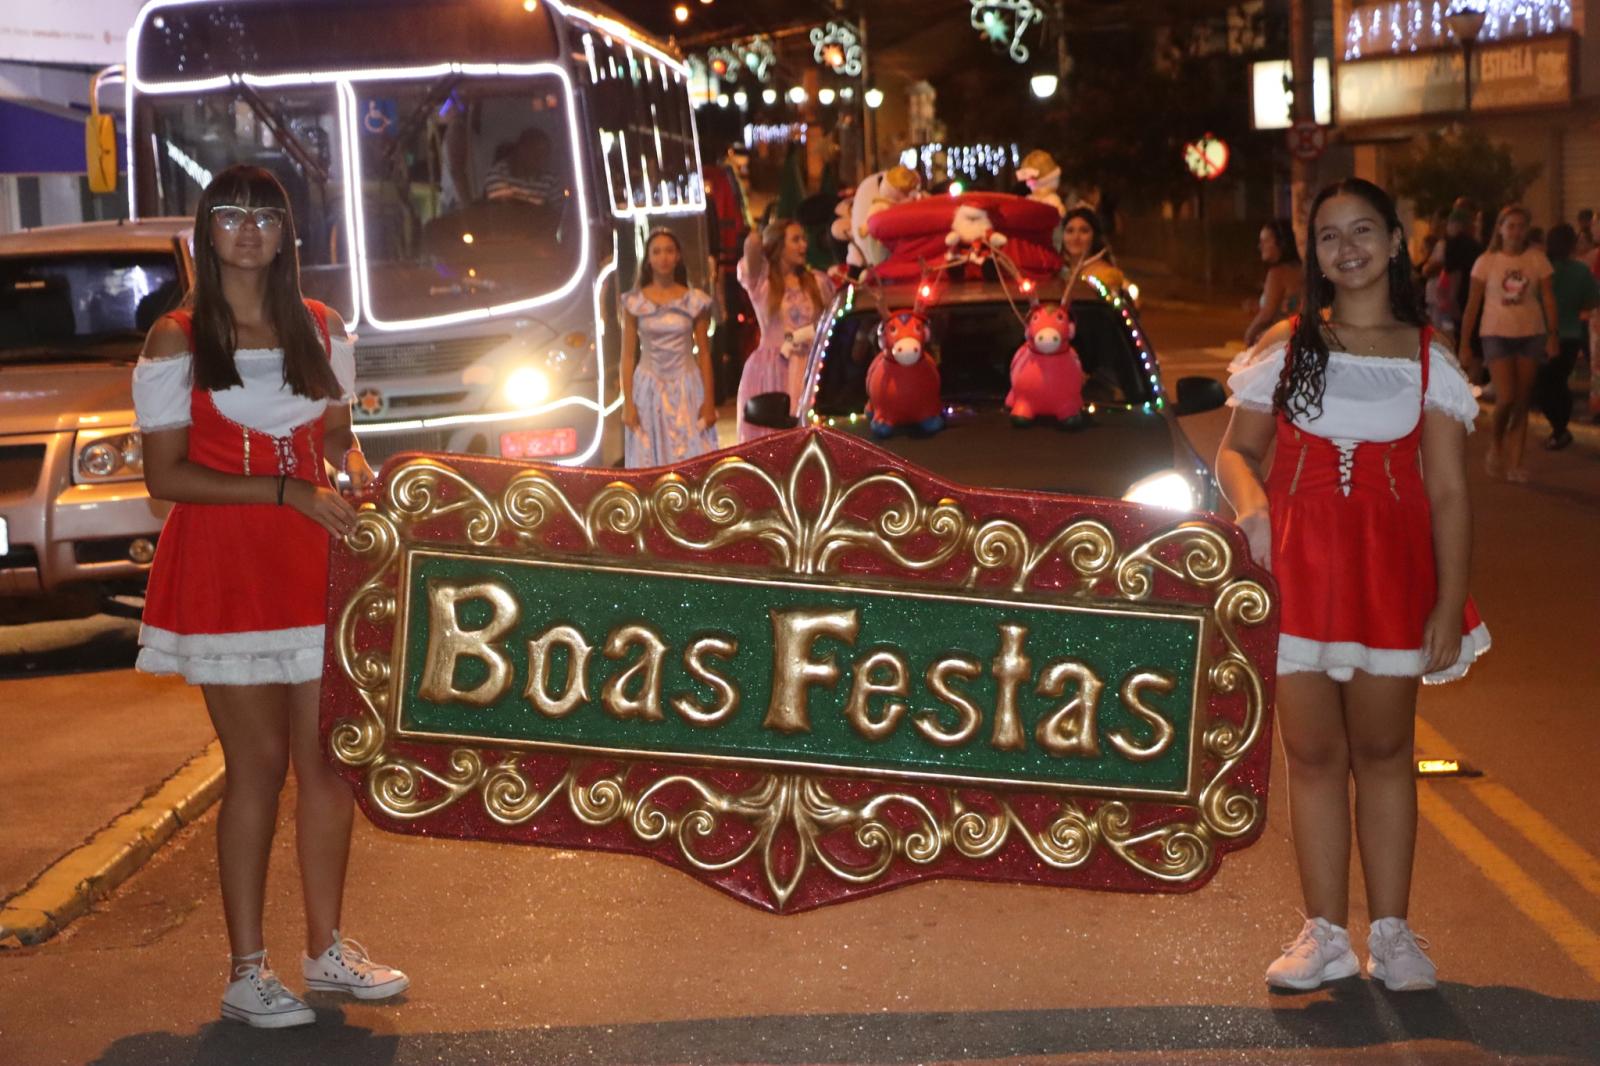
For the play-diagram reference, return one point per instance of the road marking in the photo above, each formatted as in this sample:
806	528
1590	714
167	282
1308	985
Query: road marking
1539	831
1581	944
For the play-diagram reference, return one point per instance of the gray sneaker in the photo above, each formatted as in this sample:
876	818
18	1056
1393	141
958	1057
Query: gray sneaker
345	967
1321	953
1397	957
257	998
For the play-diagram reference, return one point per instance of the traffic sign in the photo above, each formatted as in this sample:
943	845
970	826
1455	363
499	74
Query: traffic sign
1206	158
1307	140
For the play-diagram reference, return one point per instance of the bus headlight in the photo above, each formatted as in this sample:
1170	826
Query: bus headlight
526	387
104	455
1168	489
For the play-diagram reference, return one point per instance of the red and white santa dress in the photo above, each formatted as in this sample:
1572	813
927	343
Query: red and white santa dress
238	592
1352	532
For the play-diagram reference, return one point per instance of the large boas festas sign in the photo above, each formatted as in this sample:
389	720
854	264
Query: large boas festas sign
802	672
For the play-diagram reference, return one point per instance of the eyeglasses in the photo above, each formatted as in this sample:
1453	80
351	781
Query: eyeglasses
231	217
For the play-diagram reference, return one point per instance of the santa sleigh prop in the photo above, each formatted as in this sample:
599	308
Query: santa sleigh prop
802	671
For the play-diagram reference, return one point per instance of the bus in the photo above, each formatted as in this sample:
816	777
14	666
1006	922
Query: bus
473	182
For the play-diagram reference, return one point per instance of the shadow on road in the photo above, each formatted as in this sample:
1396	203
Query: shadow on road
1499	1022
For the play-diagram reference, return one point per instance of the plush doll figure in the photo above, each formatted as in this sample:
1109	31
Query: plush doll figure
1043	178
972	242
1046	377
877	192
903	381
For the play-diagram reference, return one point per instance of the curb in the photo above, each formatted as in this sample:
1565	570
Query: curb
72	884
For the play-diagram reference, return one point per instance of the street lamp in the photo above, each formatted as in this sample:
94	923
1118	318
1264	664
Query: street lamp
1466	23
1043	85
769	96
874	98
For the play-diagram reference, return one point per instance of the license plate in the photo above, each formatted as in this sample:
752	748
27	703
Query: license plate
5	539
538	443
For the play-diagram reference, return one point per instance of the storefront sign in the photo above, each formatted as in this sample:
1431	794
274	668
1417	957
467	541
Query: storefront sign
1518	74
802	672
84	32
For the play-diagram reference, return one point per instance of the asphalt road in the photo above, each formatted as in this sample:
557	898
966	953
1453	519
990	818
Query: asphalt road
542	956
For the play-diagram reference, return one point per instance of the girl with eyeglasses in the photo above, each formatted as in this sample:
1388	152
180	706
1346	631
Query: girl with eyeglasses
243	398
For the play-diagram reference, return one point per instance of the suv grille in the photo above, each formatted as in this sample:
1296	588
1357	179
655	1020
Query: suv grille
19	467
442	356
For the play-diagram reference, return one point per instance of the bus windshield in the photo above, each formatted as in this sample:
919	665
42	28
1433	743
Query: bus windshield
294	133
468	193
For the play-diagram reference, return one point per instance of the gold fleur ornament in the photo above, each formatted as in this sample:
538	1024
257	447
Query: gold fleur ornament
802	671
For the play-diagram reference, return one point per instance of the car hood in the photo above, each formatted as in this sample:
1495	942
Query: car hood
48	398
1103	459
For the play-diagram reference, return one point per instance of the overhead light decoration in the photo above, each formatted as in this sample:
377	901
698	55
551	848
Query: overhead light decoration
681	13
1005	22
747	54
1043	85
874	98
825	97
741	99
837	46
769	96
798	95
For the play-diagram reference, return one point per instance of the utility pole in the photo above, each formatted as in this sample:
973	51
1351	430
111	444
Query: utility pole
1302	60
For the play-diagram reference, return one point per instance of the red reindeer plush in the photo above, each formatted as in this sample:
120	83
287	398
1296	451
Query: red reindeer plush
1046	377
903	380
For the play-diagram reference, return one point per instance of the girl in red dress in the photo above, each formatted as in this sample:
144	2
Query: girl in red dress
240	398
1364	521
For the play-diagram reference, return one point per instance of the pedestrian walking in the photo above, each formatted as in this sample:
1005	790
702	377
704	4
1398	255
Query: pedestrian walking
1448	270
789	298
1511	287
242	398
1576	292
667	407
1364	521
1285	282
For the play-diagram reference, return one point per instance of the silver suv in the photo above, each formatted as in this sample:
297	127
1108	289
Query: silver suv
75	303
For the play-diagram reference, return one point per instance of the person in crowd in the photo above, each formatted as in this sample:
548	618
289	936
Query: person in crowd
1280	295
1586	236
518	174
668	409
789	298
1576	292
1084	250
243	398
1366	415
1511	289
1448	269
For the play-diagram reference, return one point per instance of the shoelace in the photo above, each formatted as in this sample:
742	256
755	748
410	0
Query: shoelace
354	956
1307	943
1405	942
265	980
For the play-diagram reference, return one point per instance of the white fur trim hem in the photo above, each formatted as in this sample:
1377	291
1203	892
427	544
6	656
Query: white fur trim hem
1340	660
262	657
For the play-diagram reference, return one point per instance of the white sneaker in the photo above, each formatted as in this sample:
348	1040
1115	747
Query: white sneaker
345	967
1397	957
1321	953
256	997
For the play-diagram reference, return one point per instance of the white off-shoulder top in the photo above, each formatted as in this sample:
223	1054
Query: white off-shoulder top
162	388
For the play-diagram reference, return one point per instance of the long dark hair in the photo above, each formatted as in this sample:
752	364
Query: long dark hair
1305	365
305	360
680	273
1282	231
1097	243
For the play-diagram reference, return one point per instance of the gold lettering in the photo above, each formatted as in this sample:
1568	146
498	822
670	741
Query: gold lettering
1132	699
793	669
539	655
448	643
858	712
969	718
1070	729
647	667
694	656
1010	667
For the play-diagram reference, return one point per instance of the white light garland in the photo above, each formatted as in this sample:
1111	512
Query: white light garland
1402	26
761	133
964	160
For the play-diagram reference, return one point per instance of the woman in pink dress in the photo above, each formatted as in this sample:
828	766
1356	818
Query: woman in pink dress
789	299
240	396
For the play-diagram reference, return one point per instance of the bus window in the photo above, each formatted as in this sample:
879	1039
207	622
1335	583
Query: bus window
294	134
468	193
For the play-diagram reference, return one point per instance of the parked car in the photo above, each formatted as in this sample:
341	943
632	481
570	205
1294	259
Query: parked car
75	303
1132	446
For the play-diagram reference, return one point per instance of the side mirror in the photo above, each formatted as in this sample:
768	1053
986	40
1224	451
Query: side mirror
1197	394
769	410
100	153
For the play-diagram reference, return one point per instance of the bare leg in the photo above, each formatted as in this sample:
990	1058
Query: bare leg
1525	372
1503	375
1311	726
322	821
1380	716
252	721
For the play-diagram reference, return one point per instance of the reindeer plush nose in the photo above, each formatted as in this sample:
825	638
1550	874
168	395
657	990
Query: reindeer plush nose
1047	340
906	351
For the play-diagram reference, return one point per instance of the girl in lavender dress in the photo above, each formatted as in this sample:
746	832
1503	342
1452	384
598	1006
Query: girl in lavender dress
789	298
667	403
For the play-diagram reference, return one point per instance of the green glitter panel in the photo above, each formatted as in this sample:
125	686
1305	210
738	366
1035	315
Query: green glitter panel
921	626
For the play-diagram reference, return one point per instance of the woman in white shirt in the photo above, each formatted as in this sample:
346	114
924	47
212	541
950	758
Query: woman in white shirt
1511	286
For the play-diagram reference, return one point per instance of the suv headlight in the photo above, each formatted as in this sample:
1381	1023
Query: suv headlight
1168	489
102	455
